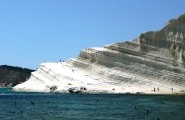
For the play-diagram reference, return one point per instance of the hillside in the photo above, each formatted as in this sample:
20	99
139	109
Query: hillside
11	76
152	63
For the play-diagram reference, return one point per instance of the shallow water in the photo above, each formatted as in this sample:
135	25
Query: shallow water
50	106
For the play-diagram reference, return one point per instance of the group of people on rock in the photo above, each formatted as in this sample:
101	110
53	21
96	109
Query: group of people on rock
158	89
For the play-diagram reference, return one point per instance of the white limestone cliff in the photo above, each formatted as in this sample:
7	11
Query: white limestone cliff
152	63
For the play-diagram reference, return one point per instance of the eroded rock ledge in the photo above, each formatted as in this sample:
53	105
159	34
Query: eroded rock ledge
153	63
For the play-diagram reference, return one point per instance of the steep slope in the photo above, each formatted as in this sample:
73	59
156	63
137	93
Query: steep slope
11	76
152	63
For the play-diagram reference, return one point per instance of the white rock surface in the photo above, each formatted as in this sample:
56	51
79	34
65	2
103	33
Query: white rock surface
152	63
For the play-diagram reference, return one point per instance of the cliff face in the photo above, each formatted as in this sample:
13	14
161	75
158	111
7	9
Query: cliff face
168	42
11	76
152	63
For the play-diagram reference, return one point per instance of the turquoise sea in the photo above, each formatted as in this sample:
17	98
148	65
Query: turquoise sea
52	106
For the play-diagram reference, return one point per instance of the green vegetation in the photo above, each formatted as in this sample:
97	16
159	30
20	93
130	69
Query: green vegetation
11	76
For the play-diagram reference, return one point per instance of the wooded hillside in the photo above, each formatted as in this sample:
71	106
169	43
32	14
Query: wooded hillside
11	76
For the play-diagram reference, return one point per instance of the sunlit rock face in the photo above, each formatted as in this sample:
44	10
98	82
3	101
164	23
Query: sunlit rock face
152	63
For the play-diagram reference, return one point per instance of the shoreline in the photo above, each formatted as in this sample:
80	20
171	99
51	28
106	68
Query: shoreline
105	93
6	87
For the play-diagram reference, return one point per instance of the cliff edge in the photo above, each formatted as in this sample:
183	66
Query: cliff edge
153	63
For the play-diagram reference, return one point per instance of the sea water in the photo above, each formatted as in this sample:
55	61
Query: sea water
52	106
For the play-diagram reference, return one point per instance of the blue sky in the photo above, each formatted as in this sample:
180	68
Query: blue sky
37	31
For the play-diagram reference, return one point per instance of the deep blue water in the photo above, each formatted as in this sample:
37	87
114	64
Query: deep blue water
50	106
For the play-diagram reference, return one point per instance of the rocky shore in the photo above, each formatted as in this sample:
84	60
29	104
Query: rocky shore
153	63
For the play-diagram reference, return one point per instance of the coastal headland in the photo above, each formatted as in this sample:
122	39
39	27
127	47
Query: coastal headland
153	63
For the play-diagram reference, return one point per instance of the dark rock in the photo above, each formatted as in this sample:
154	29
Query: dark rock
74	90
53	88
